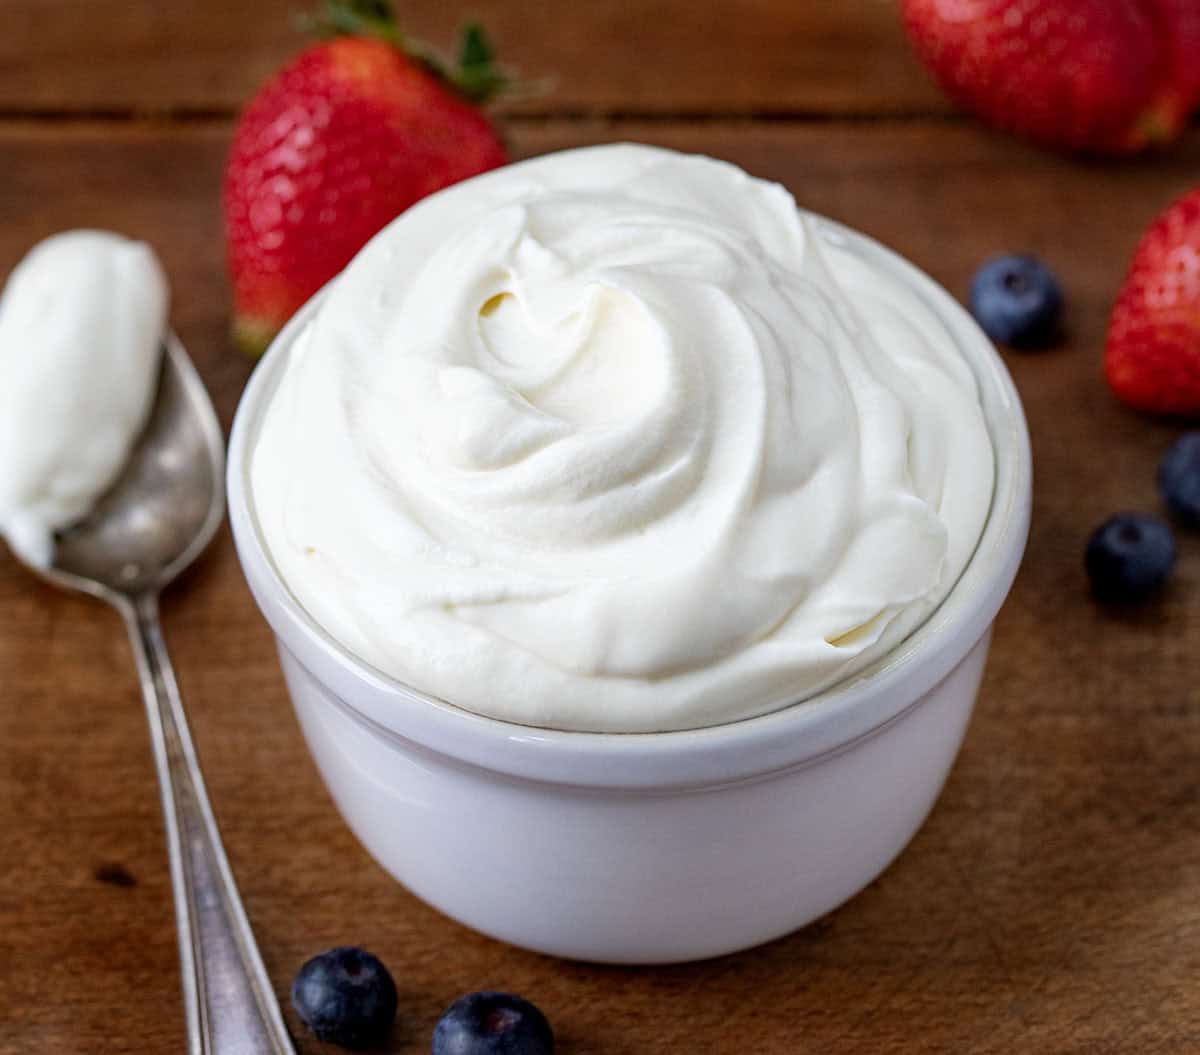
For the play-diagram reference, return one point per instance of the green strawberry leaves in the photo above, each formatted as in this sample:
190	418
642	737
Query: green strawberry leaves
476	77
358	18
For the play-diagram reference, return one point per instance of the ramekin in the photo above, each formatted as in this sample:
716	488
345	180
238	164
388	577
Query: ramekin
651	847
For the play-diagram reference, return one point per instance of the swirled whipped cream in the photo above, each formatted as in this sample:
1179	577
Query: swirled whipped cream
619	439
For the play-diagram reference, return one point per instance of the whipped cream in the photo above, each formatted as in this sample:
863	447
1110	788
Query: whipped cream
619	439
81	324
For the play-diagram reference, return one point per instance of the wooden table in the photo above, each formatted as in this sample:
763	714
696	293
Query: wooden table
1052	902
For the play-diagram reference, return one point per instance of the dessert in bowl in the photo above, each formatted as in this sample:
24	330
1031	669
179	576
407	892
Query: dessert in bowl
632	540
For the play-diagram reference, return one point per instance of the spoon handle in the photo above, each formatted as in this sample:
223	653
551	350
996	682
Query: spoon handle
228	1000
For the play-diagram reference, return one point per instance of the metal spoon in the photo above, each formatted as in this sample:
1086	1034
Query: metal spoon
150	525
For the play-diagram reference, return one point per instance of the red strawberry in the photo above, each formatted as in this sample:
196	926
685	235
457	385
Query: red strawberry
1100	76
1181	19
1152	357
342	140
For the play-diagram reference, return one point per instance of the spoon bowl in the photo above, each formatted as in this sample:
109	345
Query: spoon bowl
165	506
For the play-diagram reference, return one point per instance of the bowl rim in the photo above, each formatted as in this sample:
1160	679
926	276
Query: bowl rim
795	734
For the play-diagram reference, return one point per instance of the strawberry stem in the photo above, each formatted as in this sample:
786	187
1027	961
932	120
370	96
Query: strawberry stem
360	18
477	77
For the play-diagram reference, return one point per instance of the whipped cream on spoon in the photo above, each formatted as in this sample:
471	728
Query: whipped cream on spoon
81	323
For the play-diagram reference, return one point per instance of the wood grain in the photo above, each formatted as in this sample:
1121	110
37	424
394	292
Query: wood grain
1052	902
644	56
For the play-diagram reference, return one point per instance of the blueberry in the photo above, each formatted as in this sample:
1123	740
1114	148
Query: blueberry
1129	556
492	1024
1017	301
345	996
1179	478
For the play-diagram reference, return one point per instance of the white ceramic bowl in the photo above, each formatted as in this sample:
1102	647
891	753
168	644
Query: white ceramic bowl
656	847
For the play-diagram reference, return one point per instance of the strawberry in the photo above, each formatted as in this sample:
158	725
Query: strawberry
1152	356
1095	76
342	140
1181	19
